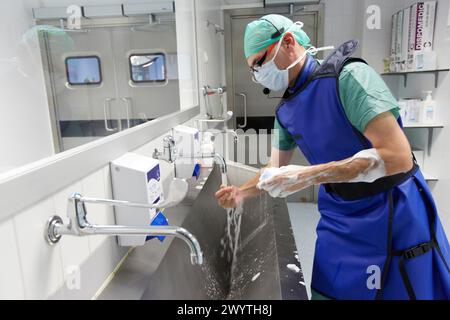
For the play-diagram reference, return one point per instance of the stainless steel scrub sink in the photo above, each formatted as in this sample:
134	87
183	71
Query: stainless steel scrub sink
266	247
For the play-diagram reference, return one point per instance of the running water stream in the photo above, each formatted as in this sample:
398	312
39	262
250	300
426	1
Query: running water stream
231	243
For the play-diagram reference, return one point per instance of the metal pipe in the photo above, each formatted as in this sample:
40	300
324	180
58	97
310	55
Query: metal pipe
178	232
243	95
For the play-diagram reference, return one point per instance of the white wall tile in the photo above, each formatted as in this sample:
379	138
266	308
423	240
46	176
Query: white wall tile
94	186
10	270
41	263
74	250
211	55
25	117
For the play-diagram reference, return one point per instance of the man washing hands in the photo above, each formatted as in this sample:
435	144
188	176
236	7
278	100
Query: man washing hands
376	207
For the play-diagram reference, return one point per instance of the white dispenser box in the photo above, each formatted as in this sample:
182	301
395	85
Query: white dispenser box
421	36
187	145
135	178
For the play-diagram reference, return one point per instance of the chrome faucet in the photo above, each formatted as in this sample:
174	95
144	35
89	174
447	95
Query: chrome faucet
79	226
208	90
218	159
168	154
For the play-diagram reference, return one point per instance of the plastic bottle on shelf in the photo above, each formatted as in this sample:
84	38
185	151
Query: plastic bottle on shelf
413	108
207	148
429	111
402	103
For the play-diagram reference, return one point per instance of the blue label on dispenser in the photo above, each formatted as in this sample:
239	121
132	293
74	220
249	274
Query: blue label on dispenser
154	174
196	172
159	220
154	187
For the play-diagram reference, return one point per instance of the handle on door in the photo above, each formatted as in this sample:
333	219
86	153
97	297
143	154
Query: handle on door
128	109
244	96
106	114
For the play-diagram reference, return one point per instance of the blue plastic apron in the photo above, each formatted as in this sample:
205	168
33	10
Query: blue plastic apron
390	225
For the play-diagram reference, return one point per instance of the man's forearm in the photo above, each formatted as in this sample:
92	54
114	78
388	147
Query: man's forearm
332	172
336	171
249	188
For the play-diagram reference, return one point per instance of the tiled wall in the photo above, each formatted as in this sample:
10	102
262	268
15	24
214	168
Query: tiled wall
32	269
211	59
22	116
341	21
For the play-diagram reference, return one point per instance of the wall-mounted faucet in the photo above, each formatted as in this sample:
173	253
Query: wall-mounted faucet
79	226
170	155
209	91
217	28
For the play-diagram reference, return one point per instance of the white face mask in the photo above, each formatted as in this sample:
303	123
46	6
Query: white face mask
269	76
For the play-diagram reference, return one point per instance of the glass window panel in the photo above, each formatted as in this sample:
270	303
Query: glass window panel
148	68
83	70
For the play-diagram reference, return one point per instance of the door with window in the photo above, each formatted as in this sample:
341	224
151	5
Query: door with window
108	79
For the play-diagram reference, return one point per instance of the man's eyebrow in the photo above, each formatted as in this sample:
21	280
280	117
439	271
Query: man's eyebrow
254	60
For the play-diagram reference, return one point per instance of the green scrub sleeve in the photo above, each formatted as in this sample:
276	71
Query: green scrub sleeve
364	95
281	138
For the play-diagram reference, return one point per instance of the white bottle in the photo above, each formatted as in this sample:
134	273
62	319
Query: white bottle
207	148
413	110
402	104
429	109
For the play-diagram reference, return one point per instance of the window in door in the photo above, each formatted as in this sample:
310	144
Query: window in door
145	68
83	70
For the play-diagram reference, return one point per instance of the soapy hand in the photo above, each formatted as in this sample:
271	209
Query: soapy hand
284	181
229	196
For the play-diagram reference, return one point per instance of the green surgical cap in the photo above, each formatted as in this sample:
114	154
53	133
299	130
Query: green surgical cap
258	34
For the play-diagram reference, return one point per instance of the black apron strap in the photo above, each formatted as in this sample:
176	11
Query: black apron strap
410	254
421	249
387	263
359	190
413	252
432	220
405	278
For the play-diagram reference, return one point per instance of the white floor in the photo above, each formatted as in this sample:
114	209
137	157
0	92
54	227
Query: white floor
304	219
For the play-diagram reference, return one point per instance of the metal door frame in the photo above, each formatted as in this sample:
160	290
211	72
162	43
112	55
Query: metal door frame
50	90
285	10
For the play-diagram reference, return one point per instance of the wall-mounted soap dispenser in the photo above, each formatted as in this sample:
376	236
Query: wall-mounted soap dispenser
187	148
135	178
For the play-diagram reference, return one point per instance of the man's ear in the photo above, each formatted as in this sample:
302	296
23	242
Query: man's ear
288	40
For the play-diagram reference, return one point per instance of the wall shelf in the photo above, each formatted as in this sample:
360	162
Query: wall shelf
430	128
429	178
423	126
406	73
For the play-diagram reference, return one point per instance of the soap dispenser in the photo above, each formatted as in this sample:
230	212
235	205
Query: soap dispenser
429	111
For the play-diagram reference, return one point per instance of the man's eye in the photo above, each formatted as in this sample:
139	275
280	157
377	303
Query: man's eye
261	61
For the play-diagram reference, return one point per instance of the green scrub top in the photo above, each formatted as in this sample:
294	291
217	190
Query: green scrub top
364	95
